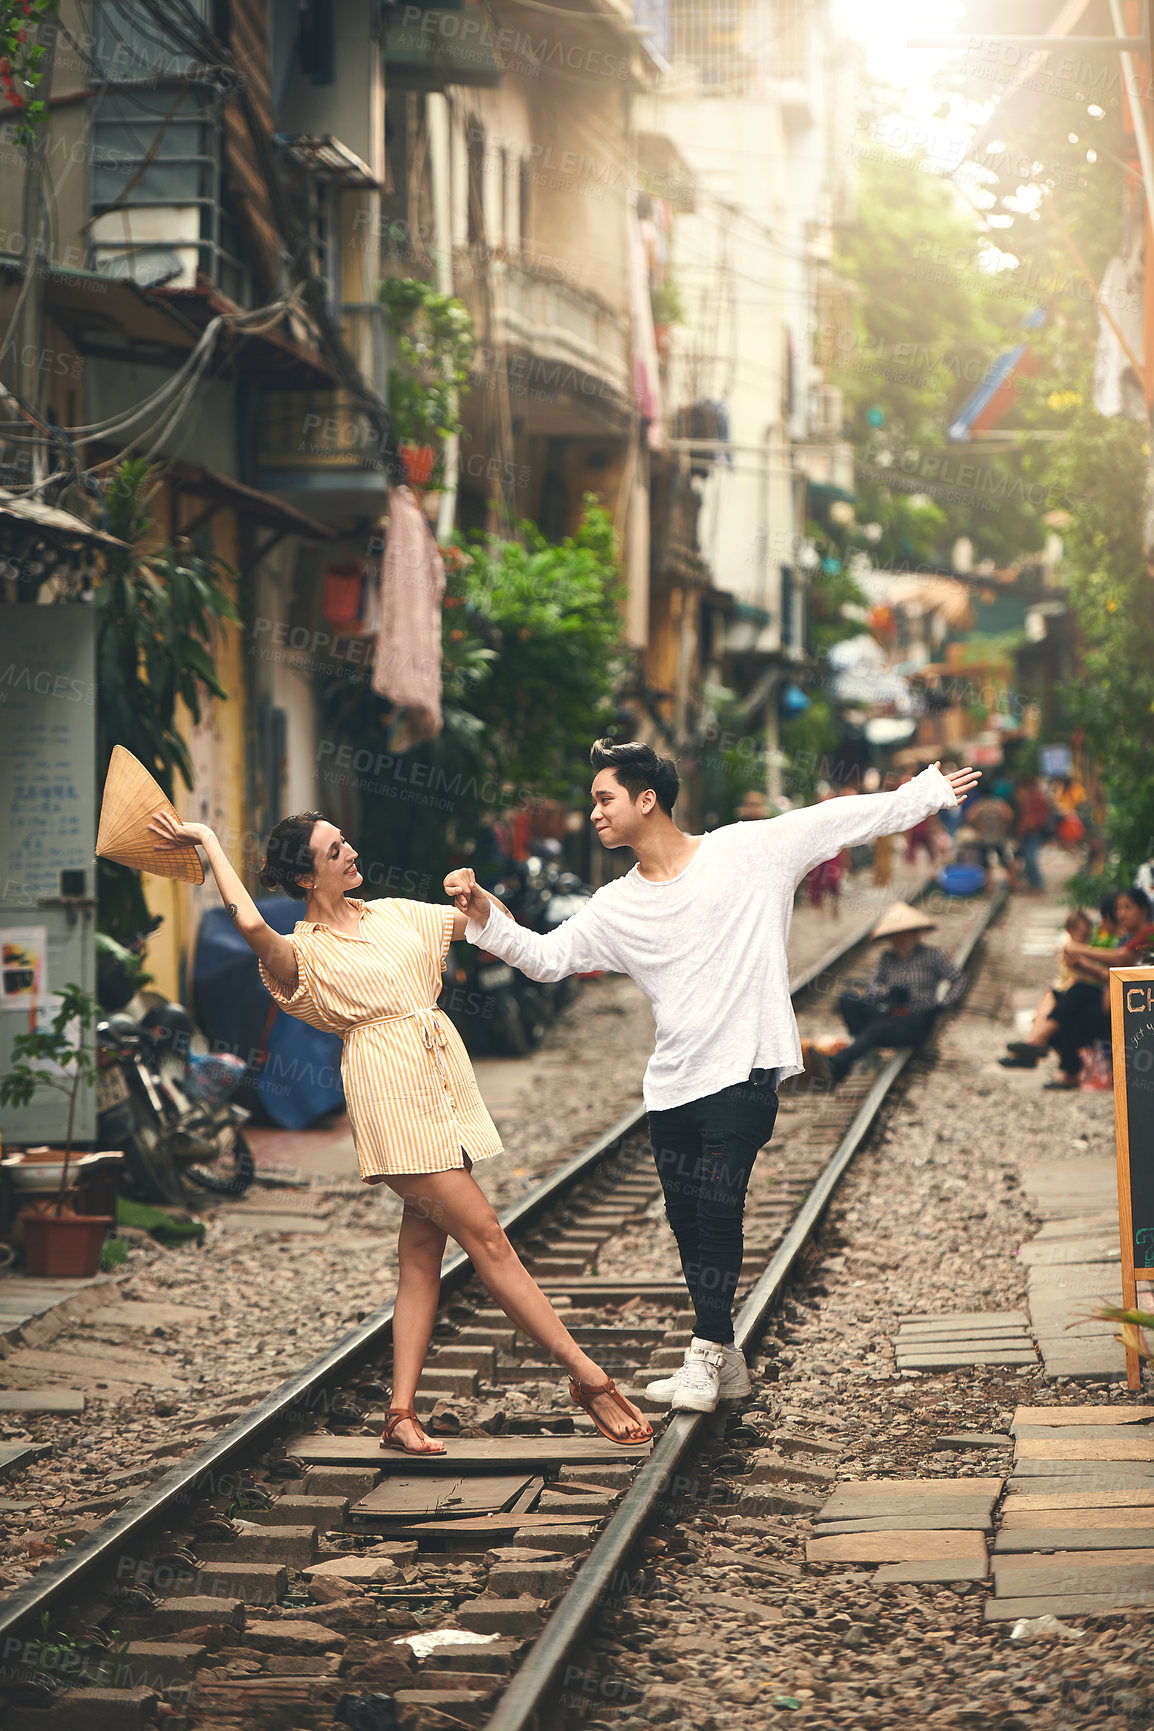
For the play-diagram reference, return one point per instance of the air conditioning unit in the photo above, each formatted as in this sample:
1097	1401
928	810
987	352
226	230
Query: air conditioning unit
828	410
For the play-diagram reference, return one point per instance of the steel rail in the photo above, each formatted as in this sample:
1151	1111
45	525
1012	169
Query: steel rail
212	1469
536	1683
209	1470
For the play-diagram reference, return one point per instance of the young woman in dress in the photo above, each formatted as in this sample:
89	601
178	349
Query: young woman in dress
371	972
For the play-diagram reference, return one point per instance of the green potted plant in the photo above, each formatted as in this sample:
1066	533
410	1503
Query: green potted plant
61	1244
434	347
668	310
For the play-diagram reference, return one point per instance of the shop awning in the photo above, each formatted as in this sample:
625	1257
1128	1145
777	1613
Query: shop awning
53	520
113	316
326	156
824	493
446	45
220	491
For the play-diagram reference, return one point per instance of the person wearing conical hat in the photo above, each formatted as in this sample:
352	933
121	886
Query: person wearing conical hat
900	1002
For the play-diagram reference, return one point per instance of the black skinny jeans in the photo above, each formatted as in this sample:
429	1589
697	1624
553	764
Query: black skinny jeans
704	1153
870	1029
1081	1020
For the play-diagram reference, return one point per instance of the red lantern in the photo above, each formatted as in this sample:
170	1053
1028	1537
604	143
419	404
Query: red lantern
341	592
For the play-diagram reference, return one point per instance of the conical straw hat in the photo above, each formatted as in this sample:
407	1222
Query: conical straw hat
900	917
131	798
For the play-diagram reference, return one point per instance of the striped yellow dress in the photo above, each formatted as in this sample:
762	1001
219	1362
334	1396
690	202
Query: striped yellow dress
411	1093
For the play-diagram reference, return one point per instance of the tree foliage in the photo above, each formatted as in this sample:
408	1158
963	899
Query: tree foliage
1103	472
435	345
531	648
159	611
931	315
22	63
554	612
1059	182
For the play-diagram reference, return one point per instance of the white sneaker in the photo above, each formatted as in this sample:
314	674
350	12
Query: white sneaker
708	1373
733	1381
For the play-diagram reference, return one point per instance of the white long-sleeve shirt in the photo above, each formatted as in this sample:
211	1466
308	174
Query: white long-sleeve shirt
708	947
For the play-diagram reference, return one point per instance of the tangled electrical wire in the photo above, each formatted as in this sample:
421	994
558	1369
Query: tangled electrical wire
177	28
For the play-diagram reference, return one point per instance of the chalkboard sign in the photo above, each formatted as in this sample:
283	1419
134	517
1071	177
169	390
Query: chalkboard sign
48	802
1132	1026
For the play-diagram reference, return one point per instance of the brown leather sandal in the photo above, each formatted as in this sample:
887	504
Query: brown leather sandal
584	1393
392	1419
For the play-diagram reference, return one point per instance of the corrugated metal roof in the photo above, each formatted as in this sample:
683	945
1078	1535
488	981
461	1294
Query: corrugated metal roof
325	154
51	517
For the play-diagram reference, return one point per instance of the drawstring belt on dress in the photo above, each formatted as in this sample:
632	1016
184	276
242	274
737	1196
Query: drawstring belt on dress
432	1033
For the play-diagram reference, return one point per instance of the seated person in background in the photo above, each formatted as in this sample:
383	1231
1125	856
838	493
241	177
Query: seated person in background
993	818
900	1002
1024	1054
1082	1014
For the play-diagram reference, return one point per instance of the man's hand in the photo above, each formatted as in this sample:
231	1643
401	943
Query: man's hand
963	781
468	897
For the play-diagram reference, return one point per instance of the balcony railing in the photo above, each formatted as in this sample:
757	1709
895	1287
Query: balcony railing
311	438
559	340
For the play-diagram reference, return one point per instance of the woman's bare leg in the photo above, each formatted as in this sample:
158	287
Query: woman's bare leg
455	1202
420	1250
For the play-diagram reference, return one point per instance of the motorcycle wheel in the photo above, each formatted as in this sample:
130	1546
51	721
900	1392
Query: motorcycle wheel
506	1031
151	1173
231	1175
531	1008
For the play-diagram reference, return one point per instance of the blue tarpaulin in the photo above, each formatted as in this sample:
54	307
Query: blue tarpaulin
299	1079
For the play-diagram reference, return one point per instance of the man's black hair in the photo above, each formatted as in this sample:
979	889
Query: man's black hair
637	767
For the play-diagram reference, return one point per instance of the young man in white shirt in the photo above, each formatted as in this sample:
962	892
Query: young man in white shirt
701	924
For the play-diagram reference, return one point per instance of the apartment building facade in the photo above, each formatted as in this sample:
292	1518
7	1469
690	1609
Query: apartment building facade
758	95
216	208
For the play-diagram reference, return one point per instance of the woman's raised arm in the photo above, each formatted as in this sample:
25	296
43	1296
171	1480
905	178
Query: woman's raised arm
272	948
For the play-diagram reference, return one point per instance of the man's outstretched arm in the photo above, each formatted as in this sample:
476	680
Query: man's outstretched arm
577	946
801	839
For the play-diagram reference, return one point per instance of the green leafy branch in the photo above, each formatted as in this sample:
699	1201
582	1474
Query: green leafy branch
22	64
38	1047
435	345
159	612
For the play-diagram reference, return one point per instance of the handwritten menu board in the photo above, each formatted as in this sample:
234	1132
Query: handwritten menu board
1132	1024
48	801
47	749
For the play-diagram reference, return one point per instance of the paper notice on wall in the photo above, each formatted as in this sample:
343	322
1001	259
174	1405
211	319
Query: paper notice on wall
46	1012
23	967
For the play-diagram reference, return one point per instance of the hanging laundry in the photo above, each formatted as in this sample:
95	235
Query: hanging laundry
646	379
407	661
1117	388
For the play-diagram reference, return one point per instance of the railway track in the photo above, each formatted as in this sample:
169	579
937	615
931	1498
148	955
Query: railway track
517	1537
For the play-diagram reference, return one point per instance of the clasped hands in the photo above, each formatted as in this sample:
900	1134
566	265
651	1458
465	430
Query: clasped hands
467	896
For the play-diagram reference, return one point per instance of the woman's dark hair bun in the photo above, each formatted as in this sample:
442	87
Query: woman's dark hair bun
289	855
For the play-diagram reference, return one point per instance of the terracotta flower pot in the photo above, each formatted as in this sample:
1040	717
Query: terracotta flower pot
418	461
64	1246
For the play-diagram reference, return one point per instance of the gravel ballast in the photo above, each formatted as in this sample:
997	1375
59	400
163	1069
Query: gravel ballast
733	1627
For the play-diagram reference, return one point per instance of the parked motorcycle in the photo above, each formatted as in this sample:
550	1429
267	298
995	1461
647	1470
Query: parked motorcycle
164	1099
523	890
495	1007
480	999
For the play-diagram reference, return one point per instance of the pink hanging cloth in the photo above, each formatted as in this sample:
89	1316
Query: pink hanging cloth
407	660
